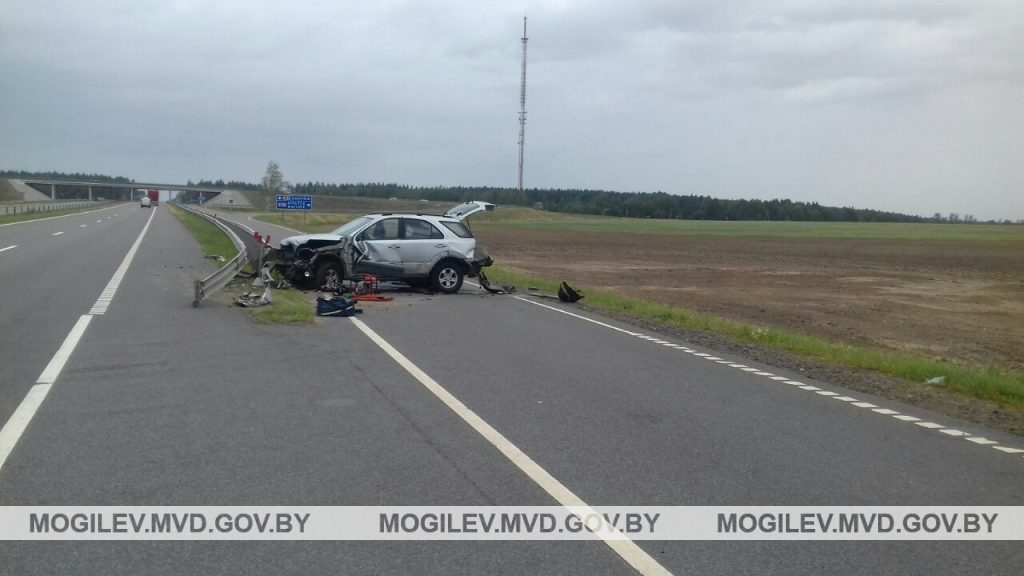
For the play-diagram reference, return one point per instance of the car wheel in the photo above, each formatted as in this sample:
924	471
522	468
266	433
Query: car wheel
446	277
328	275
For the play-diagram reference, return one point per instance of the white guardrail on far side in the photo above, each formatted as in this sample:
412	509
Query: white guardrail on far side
219	279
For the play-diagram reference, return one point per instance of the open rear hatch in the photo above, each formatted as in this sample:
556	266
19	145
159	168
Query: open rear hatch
463	211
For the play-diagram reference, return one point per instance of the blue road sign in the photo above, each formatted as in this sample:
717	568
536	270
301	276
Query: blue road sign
285	202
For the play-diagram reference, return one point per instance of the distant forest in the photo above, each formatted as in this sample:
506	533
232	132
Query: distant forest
574	201
76	176
602	202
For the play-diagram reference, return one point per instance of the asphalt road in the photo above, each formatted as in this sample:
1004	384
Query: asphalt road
161	404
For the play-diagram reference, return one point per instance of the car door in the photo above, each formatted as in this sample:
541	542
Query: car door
423	245
381	244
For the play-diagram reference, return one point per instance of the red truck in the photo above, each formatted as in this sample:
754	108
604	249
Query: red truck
154	197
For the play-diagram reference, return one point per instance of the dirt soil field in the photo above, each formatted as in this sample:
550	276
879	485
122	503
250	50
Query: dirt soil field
955	301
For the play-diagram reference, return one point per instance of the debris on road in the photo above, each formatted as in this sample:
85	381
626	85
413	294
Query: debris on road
567	293
336	306
486	285
937	381
254	299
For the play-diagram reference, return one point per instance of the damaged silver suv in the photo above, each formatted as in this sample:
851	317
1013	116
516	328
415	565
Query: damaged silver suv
418	249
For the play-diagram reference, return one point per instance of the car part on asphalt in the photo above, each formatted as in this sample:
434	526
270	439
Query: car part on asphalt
569	294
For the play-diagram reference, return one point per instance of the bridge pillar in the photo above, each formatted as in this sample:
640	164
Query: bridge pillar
53	191
90	193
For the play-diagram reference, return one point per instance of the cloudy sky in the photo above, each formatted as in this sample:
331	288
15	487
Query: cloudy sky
907	105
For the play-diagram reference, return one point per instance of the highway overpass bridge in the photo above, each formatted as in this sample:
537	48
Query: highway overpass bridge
39	189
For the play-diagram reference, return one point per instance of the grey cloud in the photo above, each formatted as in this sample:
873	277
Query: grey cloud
885	104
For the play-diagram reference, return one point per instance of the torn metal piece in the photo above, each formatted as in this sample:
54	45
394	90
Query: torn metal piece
252	300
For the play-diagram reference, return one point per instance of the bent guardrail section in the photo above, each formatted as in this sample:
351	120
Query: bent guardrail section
219	279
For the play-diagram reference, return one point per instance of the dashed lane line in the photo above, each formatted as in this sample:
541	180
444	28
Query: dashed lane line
55	217
11	247
23	414
103	302
800	385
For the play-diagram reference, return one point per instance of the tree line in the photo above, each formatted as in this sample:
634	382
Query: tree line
73	177
626	204
575	201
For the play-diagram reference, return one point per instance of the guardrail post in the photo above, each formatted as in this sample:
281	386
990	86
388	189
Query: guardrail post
198	293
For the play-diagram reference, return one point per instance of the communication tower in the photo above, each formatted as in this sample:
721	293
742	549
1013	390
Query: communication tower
522	119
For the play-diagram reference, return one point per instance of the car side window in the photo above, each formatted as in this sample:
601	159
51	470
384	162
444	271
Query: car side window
386	229
458	228
416	229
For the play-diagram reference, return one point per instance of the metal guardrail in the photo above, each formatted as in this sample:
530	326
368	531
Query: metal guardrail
219	279
13	207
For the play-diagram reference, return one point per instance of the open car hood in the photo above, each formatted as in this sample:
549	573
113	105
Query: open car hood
463	211
305	238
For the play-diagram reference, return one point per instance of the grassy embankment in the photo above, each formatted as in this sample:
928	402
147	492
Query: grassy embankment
1001	386
289	306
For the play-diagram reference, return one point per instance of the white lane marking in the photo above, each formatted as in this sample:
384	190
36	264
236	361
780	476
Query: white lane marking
103	302
56	364
55	217
83	225
11	247
99	221
56	234
23	414
616	328
802	385
625	548
18	421
981	440
906	418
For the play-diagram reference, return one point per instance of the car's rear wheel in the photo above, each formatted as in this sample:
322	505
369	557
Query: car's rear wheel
447	277
328	275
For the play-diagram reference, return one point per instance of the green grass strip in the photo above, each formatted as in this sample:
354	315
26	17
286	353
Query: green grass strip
1005	388
288	307
211	239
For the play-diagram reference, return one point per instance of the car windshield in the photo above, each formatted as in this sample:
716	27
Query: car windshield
353	225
